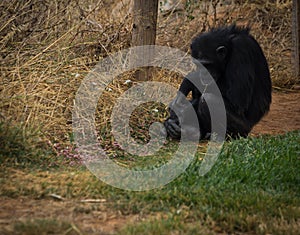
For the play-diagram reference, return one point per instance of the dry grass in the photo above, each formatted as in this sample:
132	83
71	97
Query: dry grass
47	47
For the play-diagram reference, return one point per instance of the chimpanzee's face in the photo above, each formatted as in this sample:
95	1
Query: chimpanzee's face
211	53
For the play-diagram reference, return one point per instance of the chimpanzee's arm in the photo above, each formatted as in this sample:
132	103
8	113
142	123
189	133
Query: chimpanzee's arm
188	86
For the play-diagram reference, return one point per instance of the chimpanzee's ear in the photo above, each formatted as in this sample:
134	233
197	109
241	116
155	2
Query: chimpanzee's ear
221	52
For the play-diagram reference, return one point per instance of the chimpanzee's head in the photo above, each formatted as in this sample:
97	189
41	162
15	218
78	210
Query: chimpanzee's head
212	49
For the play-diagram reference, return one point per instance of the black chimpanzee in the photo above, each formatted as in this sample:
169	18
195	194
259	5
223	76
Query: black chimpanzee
237	64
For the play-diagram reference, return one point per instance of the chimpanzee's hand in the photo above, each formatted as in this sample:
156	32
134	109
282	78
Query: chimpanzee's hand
180	112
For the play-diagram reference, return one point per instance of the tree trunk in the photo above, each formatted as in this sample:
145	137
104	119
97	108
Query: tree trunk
296	37
144	31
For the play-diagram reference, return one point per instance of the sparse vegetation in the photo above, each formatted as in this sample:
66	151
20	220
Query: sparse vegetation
21	146
43	226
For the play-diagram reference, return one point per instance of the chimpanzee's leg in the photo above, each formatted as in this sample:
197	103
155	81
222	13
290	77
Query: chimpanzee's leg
237	125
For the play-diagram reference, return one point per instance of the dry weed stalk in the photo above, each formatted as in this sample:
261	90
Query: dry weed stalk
47	47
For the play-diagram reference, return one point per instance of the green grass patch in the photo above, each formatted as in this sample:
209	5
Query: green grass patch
21	146
166	226
44	226
253	188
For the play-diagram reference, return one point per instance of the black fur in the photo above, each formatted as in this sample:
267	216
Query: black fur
237	64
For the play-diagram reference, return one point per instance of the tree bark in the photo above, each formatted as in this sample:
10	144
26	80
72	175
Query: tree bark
144	31
296	37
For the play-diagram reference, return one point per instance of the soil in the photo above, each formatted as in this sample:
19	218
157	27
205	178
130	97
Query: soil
83	217
284	116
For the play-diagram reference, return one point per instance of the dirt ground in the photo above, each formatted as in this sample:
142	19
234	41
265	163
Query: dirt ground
284	116
83	217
